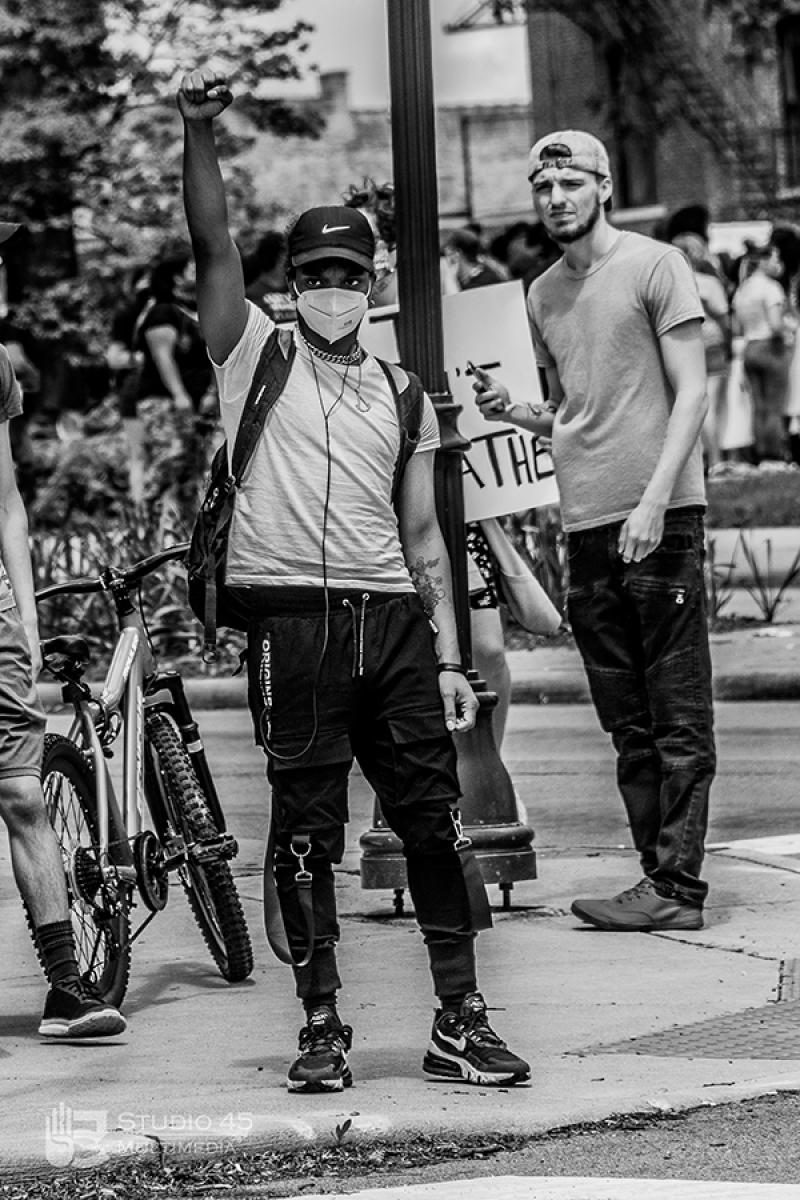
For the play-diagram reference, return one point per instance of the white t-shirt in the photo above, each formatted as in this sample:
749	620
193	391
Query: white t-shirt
302	460
752	302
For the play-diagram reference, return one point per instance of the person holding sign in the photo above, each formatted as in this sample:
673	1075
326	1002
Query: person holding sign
616	324
336	554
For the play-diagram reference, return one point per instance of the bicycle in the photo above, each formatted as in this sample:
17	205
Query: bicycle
110	858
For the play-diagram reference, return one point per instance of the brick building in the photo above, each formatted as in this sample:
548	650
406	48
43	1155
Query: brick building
690	114
481	154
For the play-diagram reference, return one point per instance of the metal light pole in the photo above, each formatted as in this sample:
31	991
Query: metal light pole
501	842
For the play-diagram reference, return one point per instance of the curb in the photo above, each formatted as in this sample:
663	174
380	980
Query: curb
201	693
564	687
320	1130
760	685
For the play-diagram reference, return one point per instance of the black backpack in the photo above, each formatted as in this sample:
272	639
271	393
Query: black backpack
209	599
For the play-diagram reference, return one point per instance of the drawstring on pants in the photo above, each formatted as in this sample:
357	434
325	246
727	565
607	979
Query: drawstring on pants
358	634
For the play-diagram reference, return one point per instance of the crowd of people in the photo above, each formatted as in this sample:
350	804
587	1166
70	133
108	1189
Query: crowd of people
337	562
750	335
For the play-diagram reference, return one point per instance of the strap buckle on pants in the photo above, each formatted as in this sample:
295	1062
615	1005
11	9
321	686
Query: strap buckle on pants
301	848
462	841
477	899
273	918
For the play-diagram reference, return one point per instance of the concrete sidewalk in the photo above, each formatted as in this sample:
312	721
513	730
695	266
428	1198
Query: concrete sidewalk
611	1023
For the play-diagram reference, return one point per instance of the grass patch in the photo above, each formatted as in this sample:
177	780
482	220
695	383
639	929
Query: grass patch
755	499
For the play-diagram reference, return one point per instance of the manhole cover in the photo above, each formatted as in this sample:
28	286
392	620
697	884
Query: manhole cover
769	1032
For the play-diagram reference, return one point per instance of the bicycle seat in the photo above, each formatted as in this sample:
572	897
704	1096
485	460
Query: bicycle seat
72	647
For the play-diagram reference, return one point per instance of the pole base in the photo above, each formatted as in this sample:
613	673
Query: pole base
503	853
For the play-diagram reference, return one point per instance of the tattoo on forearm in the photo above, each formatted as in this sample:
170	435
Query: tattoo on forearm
428	585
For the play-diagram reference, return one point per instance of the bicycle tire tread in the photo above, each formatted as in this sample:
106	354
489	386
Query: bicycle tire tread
234	958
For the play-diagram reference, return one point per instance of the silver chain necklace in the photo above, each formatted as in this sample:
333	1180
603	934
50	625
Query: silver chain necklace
362	405
355	356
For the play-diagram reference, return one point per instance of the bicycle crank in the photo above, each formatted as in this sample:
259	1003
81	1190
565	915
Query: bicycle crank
152	879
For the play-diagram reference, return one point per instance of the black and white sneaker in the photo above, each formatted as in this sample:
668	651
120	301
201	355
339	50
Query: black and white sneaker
464	1046
321	1065
72	1012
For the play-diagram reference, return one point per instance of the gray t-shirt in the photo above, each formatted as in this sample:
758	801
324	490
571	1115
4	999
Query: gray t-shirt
599	329
10	406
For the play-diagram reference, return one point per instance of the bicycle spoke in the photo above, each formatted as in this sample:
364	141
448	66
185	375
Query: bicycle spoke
98	903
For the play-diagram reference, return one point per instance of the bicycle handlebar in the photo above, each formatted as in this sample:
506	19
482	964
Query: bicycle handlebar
129	578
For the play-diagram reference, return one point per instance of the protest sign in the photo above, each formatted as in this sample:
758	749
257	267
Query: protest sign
505	470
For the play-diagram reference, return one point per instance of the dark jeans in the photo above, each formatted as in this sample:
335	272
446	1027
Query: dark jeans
642	632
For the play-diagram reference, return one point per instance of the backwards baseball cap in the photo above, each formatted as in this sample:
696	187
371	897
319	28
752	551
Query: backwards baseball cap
7	229
569	148
332	231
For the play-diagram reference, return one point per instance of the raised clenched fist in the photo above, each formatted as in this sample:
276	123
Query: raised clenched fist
203	94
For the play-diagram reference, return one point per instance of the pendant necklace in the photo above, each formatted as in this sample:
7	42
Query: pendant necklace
354	358
328	413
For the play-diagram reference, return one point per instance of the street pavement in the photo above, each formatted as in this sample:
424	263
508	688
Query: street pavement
611	1023
538	1187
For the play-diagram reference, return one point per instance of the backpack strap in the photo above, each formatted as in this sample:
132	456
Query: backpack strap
408	402
269	380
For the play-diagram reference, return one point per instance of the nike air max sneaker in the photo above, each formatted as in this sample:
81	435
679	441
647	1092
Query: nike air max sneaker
464	1046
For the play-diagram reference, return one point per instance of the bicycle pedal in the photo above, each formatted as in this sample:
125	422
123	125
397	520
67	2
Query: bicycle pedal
215	849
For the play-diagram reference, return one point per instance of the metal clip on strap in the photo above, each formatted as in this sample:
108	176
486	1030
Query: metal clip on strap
273	917
462	841
301	848
478	901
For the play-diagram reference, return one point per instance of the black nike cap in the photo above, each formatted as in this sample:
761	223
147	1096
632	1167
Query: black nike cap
332	231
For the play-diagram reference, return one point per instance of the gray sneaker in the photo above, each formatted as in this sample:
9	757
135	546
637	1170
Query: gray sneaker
640	909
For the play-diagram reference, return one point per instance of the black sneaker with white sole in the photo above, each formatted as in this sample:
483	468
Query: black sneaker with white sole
321	1065
464	1046
72	1012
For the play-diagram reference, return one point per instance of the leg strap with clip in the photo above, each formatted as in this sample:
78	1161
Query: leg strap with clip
477	899
273	917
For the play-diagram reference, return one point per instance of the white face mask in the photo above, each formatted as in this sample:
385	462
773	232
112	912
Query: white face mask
332	312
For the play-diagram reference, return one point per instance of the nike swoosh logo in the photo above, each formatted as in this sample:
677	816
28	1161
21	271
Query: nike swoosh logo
334	228
458	1043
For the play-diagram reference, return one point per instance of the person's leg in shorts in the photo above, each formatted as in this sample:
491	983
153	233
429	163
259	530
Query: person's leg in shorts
35	854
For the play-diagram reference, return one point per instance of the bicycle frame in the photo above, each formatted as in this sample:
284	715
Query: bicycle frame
95	727
132	683
110	855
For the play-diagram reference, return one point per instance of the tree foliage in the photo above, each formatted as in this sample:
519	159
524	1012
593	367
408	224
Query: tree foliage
91	138
752	23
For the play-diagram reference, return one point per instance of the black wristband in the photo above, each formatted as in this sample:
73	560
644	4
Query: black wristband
445	666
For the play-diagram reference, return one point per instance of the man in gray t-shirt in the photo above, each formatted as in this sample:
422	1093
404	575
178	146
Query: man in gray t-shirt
616	325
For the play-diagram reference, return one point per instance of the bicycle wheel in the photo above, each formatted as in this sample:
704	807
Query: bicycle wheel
174	791
99	908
